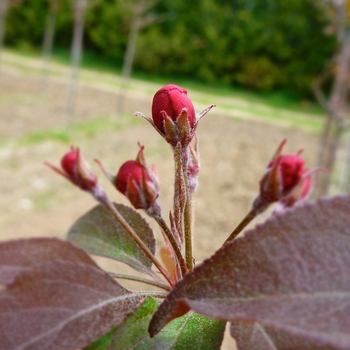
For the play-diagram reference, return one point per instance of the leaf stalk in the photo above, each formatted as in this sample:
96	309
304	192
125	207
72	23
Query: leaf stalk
140	279
111	208
174	244
258	207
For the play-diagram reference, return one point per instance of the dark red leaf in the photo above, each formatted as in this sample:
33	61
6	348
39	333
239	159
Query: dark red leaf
254	336
22	254
61	305
290	274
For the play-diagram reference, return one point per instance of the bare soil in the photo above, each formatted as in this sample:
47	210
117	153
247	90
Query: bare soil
36	202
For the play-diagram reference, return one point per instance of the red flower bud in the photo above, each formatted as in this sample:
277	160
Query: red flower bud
68	163
171	99
130	169
281	176
174	115
291	168
298	194
76	170
137	183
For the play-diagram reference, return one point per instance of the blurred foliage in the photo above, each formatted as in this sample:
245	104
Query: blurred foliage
25	24
261	45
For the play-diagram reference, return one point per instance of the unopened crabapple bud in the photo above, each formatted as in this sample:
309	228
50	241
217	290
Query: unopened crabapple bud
298	194
173	114
171	99
281	176
76	170
68	163
291	169
137	183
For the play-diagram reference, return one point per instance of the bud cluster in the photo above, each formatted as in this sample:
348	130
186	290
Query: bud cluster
286	180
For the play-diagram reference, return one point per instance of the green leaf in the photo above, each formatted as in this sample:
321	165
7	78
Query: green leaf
103	342
100	234
192	331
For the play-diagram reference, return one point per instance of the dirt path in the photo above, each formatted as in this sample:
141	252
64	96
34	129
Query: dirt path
36	202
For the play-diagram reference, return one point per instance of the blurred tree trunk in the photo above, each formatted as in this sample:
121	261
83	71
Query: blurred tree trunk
140	20
79	16
3	11
336	105
48	39
129	55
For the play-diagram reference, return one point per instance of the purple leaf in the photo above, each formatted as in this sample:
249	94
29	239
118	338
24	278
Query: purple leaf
22	254
61	305
100	234
254	336
290	274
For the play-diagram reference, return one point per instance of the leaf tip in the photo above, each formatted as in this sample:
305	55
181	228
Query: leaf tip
158	320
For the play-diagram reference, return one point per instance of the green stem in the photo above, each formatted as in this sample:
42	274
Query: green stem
173	243
111	208
140	279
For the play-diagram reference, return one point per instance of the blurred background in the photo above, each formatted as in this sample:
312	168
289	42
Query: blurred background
75	71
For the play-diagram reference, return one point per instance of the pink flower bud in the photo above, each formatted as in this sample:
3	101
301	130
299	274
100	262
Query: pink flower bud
291	168
281	176
174	115
129	170
171	99
68	163
76	170
137	183
298	194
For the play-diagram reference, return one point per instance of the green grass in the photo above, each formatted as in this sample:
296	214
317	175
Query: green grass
75	131
35	137
19	98
276	106
90	60
277	99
